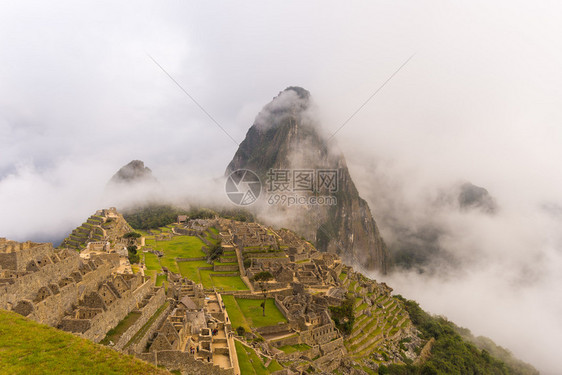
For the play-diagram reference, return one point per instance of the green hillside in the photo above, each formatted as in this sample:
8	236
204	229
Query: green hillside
27	347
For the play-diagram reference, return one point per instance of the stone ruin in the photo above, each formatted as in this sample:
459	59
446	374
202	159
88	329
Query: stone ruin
195	335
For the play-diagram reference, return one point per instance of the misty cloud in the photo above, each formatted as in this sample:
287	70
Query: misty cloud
479	102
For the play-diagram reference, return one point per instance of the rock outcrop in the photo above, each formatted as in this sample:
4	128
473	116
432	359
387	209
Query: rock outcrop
133	172
471	196
307	183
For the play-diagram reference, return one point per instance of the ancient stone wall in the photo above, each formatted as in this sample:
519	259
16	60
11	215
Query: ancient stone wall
26	287
190	259
330	361
16	256
65	283
290	340
274	329
52	309
282	308
218	267
147	311
332	345
107	320
140	345
310	353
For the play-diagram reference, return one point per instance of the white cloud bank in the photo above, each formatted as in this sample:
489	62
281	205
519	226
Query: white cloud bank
479	102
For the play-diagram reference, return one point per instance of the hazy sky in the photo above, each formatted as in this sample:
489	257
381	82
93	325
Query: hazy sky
479	101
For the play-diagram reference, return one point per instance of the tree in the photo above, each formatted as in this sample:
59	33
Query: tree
133	256
262	278
240	331
132	235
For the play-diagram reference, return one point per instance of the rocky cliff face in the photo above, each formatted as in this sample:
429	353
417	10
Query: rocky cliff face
306	184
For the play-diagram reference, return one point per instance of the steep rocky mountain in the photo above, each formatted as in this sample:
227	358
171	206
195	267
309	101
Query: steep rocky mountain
133	172
306	182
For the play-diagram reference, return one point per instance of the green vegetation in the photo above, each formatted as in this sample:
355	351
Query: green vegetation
237	214
235	315
152	216
210	280
189	247
158	215
228	282
216	250
246	312
484	343
262	278
251	310
160	279
191	269
27	347
343	315
450	353
294	348
250	363
132	253
177	247
151	262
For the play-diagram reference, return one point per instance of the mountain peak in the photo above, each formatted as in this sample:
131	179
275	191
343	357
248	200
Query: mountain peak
133	172
302	93
286	139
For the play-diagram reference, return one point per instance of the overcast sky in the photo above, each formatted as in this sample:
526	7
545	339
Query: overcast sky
478	101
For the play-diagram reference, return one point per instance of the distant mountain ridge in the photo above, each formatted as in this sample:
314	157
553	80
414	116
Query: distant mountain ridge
286	137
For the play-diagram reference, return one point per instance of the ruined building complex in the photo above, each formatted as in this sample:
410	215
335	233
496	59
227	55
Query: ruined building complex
93	292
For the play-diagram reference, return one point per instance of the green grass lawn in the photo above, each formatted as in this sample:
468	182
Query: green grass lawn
190	269
177	247
249	361
213	231
160	279
224	282
229	282
151	262
253	312
235	315
274	366
27	347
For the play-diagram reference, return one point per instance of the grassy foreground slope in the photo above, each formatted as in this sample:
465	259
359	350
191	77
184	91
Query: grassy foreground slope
27	347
